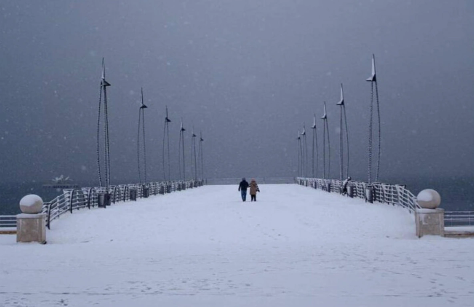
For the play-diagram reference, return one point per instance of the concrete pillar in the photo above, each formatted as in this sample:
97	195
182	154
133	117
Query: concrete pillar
31	228
31	224
429	222
429	219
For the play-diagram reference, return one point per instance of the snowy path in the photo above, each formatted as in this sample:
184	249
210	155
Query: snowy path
203	247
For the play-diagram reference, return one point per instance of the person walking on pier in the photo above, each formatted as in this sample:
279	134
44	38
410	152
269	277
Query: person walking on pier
253	190
345	183
243	186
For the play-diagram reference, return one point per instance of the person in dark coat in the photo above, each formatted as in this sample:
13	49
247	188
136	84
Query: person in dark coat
344	185
243	186
253	190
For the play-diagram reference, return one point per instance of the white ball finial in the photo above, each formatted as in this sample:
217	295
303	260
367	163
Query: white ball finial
429	199
31	204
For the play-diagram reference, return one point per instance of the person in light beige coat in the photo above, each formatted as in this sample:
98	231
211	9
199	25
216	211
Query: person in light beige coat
253	190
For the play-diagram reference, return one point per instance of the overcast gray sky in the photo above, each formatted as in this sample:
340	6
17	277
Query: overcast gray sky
247	73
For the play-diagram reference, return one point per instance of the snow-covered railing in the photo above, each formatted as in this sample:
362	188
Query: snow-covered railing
7	221
75	199
392	194
459	218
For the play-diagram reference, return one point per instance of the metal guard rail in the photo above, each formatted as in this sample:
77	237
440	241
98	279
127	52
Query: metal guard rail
75	199
459	218
7	221
392	194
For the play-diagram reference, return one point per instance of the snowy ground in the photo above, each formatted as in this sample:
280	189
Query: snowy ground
204	247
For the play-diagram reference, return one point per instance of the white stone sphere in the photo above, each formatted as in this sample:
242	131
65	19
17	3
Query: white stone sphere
31	204
429	199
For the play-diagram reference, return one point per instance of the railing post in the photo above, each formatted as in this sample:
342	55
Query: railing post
369	193
71	200
115	191
145	191
89	198
49	216
103	199
133	191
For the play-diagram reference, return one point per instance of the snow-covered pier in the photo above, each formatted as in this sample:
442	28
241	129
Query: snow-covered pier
295	246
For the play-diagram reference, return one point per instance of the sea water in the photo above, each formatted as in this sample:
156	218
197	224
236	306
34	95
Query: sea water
12	193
